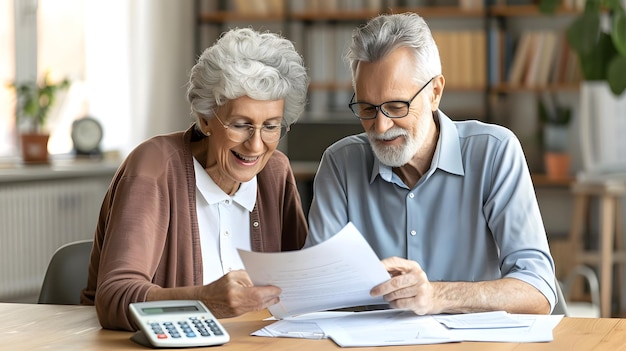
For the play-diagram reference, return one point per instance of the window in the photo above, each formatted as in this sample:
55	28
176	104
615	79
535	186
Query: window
7	75
60	50
127	69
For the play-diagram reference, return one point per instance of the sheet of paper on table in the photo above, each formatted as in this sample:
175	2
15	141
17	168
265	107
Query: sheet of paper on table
398	327
337	273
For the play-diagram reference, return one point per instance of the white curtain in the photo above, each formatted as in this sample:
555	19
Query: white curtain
139	53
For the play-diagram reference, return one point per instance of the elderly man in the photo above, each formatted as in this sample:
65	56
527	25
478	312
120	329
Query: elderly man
449	206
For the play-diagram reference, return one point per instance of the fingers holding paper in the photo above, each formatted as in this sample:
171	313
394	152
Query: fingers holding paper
235	294
408	288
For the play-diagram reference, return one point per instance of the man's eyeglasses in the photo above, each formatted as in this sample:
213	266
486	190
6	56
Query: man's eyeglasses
240	132
391	109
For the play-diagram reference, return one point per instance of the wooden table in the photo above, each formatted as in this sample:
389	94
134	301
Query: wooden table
56	327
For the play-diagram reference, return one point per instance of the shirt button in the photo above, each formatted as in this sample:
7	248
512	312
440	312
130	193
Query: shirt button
227	202
226	233
255	224
411	195
413	232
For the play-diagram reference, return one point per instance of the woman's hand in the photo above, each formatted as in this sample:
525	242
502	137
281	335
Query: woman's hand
234	294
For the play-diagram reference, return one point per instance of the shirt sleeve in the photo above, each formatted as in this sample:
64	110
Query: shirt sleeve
512	211
131	251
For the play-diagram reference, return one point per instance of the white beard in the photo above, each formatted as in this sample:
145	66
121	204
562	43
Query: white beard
394	156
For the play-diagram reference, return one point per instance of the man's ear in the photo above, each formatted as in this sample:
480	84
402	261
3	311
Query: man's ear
438	84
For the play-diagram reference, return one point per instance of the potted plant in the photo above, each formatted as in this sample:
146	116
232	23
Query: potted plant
33	105
555	121
598	37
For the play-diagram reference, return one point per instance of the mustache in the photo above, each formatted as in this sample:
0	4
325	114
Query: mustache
388	134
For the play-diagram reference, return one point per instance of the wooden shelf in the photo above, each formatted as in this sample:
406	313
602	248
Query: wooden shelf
220	17
527	10
506	88
361	15
542	180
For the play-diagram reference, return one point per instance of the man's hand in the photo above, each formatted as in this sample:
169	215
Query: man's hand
234	294
408	287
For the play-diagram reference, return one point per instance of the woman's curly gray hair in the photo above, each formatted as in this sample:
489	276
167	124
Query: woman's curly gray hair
244	62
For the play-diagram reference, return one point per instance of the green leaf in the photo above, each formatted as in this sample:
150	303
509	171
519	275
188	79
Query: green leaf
584	32
616	75
618	32
548	7
594	63
611	5
593	6
544	116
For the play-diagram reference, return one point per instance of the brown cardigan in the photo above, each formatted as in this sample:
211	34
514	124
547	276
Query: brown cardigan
147	234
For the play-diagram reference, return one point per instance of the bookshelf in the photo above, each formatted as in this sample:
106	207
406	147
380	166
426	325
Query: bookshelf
478	45
529	56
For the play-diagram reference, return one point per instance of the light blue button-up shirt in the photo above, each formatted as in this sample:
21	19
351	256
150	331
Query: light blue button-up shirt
472	217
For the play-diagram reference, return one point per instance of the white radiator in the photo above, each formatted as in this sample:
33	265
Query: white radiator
36	217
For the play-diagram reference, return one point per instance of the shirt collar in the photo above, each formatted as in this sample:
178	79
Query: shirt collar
245	196
447	153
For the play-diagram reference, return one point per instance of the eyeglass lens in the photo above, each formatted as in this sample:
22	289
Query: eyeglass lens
243	132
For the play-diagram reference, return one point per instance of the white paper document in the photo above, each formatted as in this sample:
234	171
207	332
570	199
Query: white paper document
337	273
398	327
386	328
481	320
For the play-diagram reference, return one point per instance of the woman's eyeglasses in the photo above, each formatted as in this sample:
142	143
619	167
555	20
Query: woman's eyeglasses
240	132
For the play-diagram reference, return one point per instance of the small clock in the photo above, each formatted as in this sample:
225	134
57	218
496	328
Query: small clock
86	135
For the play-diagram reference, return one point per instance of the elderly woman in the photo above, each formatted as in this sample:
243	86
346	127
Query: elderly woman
181	204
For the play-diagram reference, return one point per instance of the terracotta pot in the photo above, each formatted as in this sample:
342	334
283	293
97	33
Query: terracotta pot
557	165
34	148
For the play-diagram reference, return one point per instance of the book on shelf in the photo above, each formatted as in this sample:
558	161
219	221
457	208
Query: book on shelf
548	52
472	4
542	58
523	54
533	59
342	74
258	7
320	58
334	6
463	57
559	59
479	58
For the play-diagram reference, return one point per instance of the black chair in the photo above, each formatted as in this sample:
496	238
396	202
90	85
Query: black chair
67	274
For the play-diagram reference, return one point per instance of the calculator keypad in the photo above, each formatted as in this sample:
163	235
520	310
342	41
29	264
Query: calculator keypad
190	328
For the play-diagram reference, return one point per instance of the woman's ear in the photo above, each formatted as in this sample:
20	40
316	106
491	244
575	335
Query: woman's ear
204	125
438	84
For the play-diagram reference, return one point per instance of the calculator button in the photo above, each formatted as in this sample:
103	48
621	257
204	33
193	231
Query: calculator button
214	328
162	336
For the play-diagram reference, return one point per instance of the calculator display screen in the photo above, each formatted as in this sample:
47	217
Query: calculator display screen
169	309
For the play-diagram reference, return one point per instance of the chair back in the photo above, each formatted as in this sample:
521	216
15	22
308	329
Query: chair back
67	274
561	304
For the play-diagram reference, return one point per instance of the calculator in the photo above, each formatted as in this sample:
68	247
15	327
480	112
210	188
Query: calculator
177	323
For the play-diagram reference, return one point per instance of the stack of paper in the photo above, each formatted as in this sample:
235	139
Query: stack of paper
398	327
